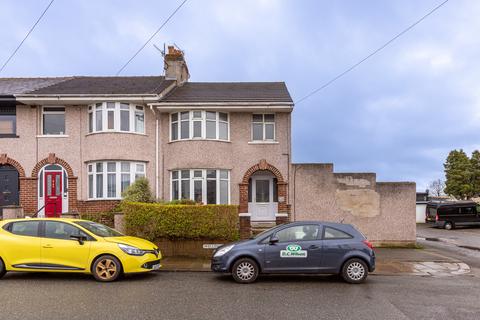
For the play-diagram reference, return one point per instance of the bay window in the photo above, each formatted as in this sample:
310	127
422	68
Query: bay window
207	186
116	117
199	124
108	179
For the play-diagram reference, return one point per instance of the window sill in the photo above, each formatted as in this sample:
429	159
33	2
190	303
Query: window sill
115	132
8	136
215	140
263	142
105	199
52	136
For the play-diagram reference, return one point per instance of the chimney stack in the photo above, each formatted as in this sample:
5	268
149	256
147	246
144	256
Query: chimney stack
175	66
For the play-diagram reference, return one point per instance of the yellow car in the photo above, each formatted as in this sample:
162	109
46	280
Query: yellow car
73	245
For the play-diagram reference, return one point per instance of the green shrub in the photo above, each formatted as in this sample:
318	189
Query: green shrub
181	201
156	221
139	191
106	218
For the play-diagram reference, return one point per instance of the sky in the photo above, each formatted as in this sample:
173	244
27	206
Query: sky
398	114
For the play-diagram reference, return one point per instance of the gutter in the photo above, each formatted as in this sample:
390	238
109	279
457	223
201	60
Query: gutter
174	104
85	99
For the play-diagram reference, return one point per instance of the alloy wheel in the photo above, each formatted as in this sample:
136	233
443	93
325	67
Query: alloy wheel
245	271
355	271
106	269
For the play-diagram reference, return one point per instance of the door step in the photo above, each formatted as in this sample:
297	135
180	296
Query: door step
260	226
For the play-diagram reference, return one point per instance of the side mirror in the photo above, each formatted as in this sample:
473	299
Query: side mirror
274	239
81	239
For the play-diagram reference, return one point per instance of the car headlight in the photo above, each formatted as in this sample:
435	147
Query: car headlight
223	250
133	251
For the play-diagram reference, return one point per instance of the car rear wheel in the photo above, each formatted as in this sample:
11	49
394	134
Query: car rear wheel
2	268
355	271
449	225
106	268
245	270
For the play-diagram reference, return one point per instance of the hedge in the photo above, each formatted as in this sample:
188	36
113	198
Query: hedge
159	221
106	218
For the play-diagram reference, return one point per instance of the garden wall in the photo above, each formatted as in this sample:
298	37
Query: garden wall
383	211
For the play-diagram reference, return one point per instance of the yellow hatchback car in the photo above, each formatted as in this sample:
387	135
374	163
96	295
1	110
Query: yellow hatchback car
73	245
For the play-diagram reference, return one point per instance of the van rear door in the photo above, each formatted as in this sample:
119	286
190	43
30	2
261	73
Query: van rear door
430	214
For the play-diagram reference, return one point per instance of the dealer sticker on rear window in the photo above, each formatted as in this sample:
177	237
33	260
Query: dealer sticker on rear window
293	251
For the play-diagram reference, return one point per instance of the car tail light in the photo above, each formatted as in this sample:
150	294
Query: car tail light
368	244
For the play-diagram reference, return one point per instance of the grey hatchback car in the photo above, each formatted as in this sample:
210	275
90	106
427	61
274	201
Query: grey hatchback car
299	247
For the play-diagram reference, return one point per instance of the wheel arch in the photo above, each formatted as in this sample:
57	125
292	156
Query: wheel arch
355	256
247	256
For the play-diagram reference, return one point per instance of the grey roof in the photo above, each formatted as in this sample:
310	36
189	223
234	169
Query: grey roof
11	86
84	85
230	92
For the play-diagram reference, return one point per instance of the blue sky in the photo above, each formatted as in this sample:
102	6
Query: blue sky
398	114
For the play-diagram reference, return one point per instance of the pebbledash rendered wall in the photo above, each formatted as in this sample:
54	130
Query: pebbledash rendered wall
383	211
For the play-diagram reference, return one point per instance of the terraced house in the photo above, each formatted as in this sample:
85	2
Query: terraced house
73	144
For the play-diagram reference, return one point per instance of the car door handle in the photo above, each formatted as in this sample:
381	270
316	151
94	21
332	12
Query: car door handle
47	246
313	247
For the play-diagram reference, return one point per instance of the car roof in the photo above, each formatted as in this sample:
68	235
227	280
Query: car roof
325	223
452	204
43	219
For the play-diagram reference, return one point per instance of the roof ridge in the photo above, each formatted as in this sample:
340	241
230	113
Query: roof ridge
234	82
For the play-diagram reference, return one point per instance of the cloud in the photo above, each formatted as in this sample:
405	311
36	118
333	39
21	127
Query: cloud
397	114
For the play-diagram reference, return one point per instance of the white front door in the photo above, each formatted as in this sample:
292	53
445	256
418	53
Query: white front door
262	207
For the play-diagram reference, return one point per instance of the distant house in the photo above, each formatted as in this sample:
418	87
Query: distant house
421	206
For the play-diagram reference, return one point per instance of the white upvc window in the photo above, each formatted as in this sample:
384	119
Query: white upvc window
263	127
199	124
207	186
108	179
53	121
116	117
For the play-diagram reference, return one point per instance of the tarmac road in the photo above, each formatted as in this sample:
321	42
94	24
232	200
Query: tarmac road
185	295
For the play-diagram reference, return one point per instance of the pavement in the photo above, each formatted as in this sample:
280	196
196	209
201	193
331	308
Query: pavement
463	237
421	262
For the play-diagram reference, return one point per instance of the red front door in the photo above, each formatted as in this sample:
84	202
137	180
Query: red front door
53	194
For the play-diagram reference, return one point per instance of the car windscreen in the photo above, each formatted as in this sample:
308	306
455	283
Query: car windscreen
261	234
99	229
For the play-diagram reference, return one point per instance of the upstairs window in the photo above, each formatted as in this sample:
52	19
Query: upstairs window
53	120
116	117
199	124
8	121
263	127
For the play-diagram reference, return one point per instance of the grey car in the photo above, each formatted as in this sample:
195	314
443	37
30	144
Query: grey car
299	247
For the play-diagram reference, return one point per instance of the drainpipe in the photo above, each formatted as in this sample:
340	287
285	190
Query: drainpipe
156	152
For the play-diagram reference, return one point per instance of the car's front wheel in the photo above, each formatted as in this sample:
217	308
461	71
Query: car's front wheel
355	271
106	268
245	270
2	268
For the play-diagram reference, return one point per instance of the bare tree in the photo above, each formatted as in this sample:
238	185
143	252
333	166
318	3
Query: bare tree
436	187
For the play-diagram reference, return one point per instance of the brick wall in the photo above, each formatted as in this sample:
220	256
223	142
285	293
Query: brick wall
28	194
96	206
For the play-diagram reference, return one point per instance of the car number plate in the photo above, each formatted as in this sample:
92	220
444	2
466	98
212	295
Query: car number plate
156	266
